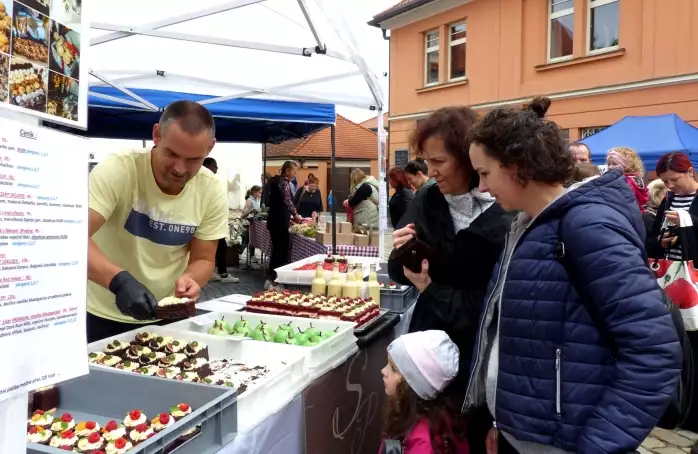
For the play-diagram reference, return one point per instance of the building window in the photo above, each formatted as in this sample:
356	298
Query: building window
603	24
588	132
431	46
402	157
561	29
457	51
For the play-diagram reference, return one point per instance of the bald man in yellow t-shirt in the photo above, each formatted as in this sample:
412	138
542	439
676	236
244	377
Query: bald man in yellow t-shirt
155	219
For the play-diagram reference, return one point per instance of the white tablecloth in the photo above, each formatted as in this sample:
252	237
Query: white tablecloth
281	433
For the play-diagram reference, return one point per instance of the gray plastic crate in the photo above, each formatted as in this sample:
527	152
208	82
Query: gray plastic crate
103	395
396	300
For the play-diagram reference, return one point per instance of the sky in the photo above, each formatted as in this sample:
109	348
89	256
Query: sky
271	22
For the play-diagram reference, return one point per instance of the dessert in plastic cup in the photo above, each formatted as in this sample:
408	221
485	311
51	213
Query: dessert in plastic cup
112	431
38	434
94	443
162	422
134	418
118	446
62	423
66	439
41	418
180	411
86	428
141	433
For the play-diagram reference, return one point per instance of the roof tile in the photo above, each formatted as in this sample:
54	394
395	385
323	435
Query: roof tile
352	141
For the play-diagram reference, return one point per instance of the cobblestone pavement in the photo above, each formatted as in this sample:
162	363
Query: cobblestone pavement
251	281
663	441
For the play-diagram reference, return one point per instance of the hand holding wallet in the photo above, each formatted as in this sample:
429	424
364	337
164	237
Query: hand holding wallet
411	254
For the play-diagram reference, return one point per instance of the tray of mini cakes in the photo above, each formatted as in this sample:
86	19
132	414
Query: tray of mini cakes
109	413
321	342
266	377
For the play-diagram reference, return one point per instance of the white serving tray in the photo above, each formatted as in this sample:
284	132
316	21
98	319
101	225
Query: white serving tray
221	305
316	358
261	399
288	275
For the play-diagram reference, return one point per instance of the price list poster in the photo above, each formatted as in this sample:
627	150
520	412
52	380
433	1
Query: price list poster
43	257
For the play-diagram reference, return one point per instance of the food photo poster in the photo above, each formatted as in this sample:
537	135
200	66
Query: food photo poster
43	71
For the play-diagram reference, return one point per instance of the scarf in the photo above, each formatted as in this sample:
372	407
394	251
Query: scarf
465	208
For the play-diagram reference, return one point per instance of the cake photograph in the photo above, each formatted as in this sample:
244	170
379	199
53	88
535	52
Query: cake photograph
65	50
4	77
63	95
5	25
28	85
67	12
30	34
42	6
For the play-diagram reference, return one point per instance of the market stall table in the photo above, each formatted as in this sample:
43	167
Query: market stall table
339	411
302	247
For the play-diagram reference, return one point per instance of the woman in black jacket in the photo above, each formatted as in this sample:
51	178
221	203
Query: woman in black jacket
465	228
308	199
402	197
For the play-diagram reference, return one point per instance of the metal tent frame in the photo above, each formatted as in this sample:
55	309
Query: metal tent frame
318	48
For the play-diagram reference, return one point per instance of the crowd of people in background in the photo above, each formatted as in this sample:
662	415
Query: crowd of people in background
542	327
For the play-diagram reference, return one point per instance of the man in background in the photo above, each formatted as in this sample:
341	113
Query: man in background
416	172
580	153
155	218
221	273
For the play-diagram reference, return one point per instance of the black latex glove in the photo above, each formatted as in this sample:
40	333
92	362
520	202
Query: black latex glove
132	297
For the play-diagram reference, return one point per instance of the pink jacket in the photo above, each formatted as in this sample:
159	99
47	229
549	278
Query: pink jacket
639	189
419	441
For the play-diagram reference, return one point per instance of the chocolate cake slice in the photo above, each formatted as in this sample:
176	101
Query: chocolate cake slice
171	307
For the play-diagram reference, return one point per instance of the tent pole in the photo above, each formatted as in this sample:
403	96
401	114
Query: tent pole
264	162
383	161
333	200
144	144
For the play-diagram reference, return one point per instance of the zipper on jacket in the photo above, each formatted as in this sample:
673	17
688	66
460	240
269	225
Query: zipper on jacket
474	371
558	360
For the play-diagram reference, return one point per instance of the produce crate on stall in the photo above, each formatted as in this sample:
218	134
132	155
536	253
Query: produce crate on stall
262	399
396	300
104	395
316	358
289	275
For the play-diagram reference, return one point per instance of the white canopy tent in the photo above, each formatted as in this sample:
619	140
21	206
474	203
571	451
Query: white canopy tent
296	50
300	50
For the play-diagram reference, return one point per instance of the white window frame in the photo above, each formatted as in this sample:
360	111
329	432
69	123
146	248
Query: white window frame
451	43
557	15
427	51
591	4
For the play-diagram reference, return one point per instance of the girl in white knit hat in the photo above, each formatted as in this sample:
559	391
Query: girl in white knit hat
419	419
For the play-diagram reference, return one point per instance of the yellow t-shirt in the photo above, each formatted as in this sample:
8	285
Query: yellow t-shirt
147	232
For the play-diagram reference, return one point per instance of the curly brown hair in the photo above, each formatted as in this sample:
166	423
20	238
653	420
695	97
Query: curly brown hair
523	139
406	409
452	125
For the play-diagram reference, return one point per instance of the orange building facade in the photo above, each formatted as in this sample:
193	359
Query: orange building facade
598	60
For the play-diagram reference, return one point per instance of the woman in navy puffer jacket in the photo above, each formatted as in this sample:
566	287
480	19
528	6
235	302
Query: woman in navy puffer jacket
560	372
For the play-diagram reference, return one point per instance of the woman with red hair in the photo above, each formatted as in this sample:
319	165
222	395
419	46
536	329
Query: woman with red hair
676	171
669	240
402	197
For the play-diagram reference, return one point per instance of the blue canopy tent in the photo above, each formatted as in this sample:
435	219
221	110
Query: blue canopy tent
113	114
651	137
